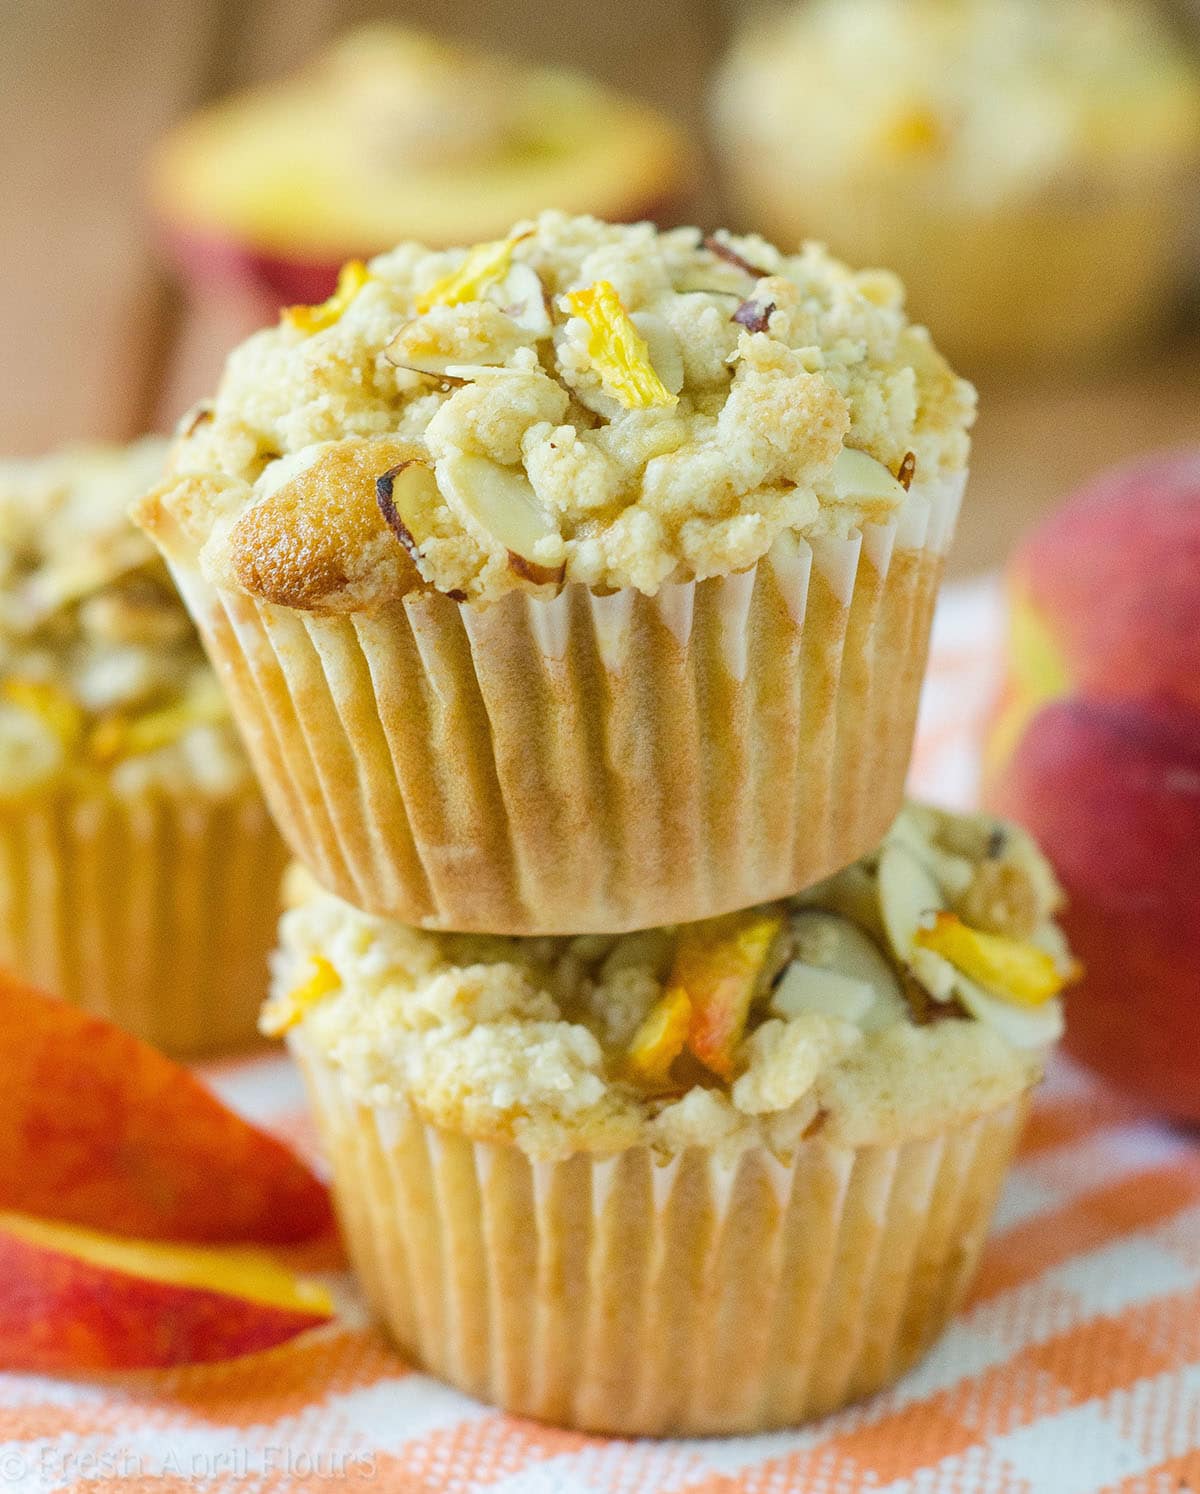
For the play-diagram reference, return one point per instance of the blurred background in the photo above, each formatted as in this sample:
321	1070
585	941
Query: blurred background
105	336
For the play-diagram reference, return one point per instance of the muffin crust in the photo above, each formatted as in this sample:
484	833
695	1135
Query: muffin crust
609	405
854	1027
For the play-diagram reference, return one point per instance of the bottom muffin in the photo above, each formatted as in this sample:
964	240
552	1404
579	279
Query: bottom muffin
717	1178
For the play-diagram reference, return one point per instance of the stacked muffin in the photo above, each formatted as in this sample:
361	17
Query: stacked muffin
134	844
573	594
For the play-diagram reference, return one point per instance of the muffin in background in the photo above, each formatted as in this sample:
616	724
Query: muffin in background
393	134
137	860
578	582
1028	167
711	1179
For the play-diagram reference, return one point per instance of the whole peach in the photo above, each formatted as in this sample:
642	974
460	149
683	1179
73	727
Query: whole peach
1096	748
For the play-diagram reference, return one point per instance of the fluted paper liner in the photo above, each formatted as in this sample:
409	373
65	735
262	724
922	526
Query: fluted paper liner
591	763
627	1295
156	913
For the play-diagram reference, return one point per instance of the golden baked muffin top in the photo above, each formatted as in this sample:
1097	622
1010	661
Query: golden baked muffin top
102	677
915	989
395	134
979	99
578	402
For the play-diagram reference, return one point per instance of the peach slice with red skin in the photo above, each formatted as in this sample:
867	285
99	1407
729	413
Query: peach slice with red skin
718	966
659	1040
74	1300
99	1129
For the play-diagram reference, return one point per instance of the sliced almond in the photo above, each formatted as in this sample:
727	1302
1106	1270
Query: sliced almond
859	478
522	296
908	897
1022	1026
840	949
723	250
408	497
699	281
418	349
499	505
811	988
663	346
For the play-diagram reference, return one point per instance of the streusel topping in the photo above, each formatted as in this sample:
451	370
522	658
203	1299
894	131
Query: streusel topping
579	402
916	988
976	101
102	677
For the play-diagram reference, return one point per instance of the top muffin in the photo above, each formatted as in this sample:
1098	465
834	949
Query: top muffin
102	677
578	402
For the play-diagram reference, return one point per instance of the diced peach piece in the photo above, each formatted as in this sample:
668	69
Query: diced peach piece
309	319
619	353
659	1040
718	964
102	1130
283	1012
76	1300
1011	968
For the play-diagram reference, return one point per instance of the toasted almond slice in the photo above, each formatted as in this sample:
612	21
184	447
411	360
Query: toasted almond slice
499	505
408	496
522	296
663	347
859	478
1022	1026
908	898
811	988
839	948
414	347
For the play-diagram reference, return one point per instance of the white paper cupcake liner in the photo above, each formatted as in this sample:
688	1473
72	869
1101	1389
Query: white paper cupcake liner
591	764
626	1295
155	913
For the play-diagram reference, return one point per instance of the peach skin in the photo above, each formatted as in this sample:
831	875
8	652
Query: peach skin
100	1129
1095	746
73	1301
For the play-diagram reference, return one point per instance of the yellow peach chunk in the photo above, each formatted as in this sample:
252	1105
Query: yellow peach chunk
283	1012
718	964
351	279
916	131
484	266
1013	969
118	735
50	704
659	1041
619	353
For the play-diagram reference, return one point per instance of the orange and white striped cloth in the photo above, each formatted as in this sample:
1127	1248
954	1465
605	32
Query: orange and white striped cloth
1074	1369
